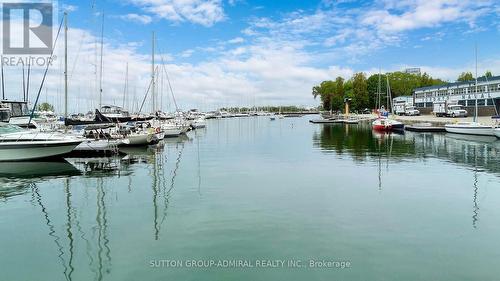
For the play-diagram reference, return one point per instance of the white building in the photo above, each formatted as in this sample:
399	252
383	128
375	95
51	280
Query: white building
413	70
464	93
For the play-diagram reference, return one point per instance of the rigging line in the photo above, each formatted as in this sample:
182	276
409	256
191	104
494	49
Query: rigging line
45	73
168	81
146	95
170	87
77	56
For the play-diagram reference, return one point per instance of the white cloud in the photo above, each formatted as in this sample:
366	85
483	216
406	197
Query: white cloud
69	8
187	53
203	12
143	19
236	40
397	16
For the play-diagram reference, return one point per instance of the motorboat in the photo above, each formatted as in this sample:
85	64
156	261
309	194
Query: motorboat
19	114
17	144
469	128
199	123
386	124
116	113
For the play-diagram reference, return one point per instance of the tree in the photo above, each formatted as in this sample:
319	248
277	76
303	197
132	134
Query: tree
465	76
45	107
361	98
372	85
338	94
488	74
325	92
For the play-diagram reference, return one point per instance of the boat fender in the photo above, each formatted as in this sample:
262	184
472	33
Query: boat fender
158	130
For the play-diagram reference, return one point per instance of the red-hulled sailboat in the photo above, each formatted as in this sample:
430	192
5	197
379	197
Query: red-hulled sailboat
383	123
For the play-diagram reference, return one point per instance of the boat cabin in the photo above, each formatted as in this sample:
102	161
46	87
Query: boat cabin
17	108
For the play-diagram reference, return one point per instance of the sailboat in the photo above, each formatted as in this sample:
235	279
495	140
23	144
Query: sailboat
280	116
383	123
474	127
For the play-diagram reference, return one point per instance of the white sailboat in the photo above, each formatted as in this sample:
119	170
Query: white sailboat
474	127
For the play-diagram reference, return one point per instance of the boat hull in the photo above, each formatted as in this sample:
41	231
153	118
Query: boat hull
142	139
496	132
172	132
22	151
386	125
479	131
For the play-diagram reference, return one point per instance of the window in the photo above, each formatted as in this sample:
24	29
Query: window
461	102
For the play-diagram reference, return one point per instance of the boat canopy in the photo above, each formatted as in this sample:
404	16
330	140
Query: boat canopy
6	128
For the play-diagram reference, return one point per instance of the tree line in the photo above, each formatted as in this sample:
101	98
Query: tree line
362	90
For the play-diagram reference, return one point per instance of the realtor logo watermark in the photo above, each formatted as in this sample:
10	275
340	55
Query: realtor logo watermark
27	33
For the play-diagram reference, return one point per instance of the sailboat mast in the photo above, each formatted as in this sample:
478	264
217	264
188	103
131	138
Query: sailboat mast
388	109
475	109
65	65
100	73
28	82
125	88
24	85
153	94
3	84
379	89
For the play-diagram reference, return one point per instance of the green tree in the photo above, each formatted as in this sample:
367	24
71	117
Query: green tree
45	107
372	85
338	94
488	74
325	91
465	76
361	98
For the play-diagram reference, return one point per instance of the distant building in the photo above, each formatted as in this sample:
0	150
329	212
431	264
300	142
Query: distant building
463	93
413	70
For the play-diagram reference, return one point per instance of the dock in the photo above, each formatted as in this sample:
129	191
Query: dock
343	119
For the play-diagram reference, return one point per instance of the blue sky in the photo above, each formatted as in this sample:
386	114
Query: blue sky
245	52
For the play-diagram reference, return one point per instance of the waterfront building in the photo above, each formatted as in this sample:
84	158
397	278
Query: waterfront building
463	93
413	70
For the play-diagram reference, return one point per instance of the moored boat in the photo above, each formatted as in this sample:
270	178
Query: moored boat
18	144
469	128
386	124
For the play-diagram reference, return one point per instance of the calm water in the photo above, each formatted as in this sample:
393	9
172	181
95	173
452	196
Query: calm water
395	207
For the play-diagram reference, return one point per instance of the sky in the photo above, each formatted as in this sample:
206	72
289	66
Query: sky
252	52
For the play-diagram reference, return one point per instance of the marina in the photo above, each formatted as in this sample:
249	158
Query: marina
186	199
249	140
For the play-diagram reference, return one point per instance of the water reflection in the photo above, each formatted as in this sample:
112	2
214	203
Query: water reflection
477	153
81	227
362	144
17	177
